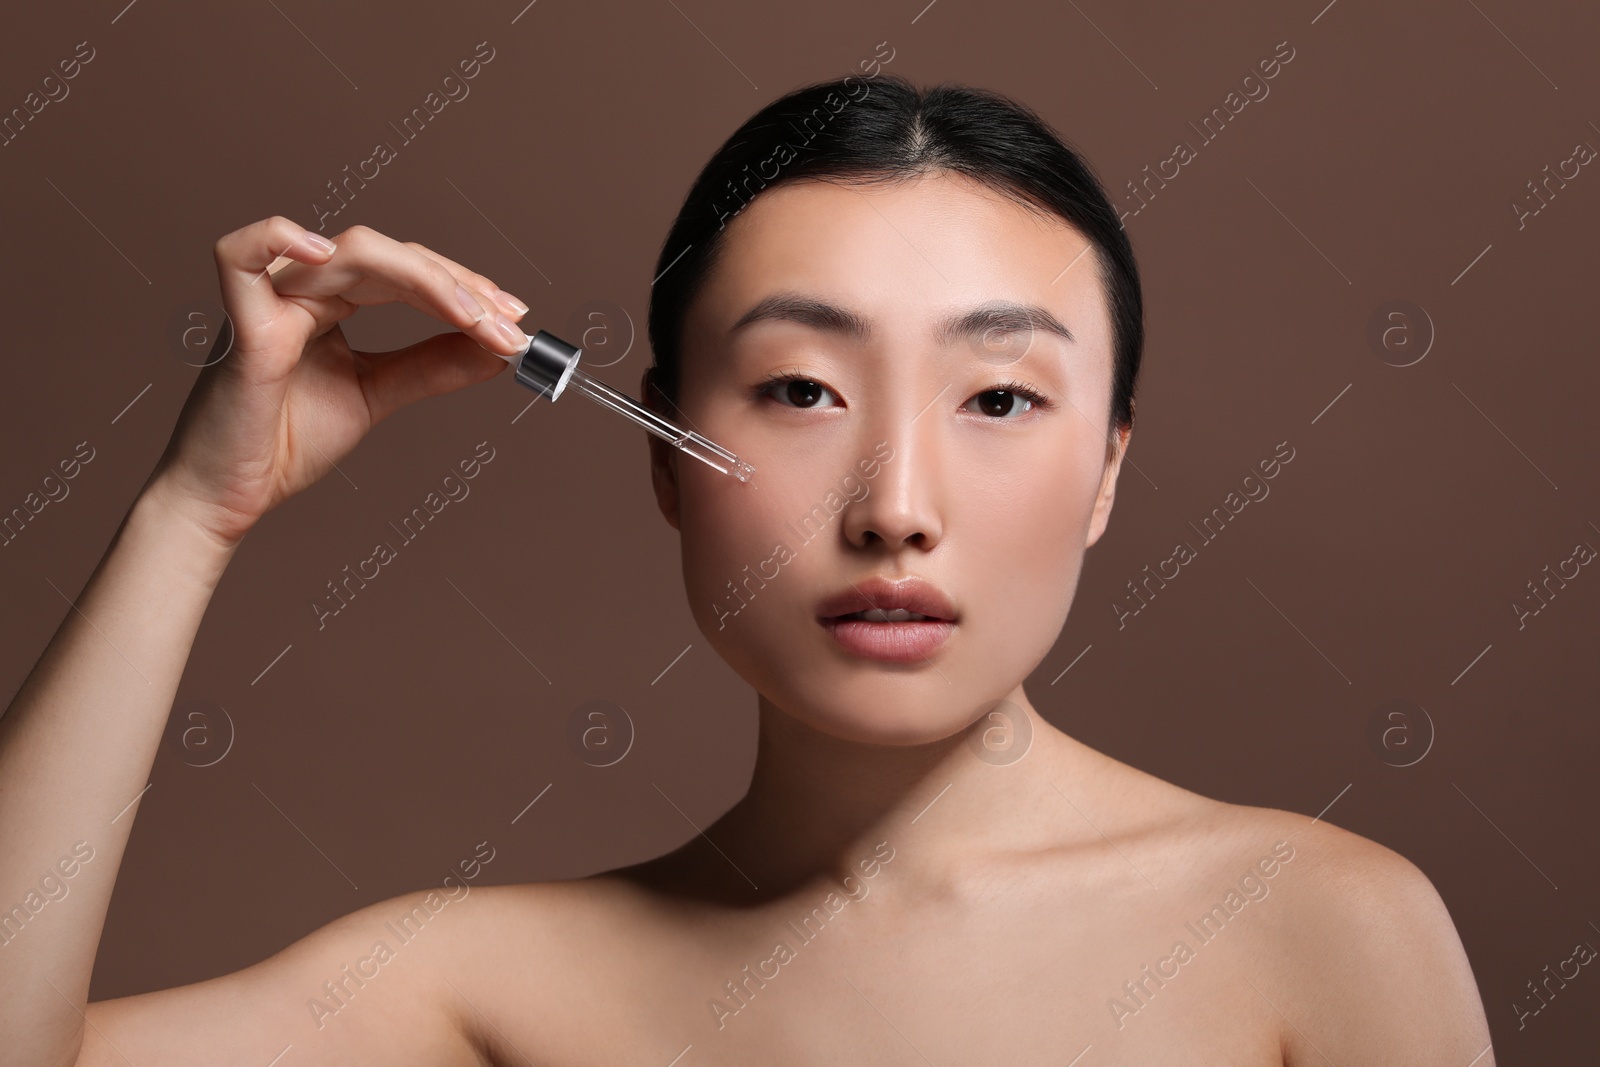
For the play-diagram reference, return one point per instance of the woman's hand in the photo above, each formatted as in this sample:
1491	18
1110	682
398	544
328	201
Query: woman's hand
291	398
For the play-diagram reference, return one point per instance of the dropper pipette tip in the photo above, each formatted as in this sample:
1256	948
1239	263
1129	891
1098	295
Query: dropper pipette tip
555	364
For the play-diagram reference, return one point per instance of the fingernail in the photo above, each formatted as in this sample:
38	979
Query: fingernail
471	306
509	328
321	244
510	303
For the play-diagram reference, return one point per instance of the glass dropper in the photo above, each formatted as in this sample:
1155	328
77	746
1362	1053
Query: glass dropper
548	365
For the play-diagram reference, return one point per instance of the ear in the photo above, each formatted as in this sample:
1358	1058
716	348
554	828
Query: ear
1108	486
663	458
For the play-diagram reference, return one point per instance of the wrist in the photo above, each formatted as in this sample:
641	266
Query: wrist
160	511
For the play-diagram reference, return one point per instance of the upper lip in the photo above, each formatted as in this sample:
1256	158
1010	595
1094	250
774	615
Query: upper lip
912	593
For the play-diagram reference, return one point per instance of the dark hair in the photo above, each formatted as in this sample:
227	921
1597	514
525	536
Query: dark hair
884	129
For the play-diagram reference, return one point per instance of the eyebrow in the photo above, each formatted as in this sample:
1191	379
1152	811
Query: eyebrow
971	324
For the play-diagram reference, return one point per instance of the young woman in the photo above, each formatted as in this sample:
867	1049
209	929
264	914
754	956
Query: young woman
918	317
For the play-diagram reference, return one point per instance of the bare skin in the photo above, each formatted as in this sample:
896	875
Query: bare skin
965	903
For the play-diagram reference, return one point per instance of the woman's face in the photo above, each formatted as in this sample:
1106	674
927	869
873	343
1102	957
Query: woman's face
892	454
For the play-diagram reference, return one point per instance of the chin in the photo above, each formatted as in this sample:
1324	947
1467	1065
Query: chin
866	718
881	706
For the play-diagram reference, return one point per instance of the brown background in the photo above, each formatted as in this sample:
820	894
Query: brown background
1385	159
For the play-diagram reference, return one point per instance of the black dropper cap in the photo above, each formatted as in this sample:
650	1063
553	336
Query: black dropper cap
547	364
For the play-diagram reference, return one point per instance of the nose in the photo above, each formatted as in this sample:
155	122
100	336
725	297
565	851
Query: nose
903	502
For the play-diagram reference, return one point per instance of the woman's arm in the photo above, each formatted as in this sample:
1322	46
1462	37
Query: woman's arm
76	748
78	741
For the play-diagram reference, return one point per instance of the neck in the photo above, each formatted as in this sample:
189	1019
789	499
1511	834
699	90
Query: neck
818	805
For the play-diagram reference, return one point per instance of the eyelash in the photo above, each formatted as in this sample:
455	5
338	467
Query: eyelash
1040	401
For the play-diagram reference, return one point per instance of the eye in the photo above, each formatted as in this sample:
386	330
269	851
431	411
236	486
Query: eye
1009	400
792	389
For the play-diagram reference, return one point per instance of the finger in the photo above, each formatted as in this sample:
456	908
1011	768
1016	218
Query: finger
508	305
436	365
372	268
244	255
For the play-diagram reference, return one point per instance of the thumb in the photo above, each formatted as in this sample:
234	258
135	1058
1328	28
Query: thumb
245	255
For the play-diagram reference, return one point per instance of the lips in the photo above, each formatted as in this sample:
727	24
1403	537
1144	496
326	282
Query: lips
878	599
902	621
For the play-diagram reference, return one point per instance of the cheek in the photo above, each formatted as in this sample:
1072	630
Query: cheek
736	540
1040	523
1024	534
755	559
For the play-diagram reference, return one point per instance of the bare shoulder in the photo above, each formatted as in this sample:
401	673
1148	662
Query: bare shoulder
447	976
529	957
1365	962
558	919
1349	942
380	982
513	938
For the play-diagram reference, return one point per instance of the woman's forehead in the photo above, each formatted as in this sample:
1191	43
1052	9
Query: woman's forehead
901	258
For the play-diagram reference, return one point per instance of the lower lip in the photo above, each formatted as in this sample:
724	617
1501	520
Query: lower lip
893	642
